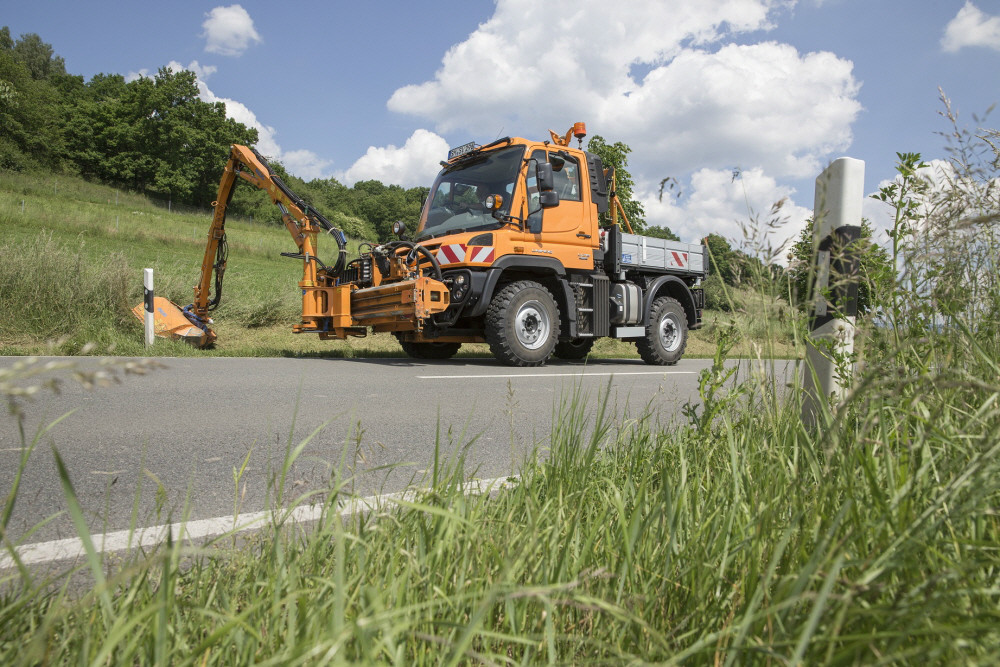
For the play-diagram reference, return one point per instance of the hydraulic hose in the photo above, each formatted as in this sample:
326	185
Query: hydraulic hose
221	256
417	248
312	214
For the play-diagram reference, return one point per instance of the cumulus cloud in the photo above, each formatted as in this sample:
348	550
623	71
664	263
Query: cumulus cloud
229	31
697	104
941	182
412	164
971	27
736	205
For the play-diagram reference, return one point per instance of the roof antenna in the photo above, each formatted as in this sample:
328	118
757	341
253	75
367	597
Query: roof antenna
499	133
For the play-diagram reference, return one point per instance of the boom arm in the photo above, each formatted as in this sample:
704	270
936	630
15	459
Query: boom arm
302	221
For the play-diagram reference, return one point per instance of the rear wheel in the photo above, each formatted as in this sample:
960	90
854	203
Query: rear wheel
666	333
429	350
522	324
576	348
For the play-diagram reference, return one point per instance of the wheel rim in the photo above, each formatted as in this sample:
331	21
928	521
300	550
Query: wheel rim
670	333
531	325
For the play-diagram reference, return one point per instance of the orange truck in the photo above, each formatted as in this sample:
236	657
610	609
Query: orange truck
510	250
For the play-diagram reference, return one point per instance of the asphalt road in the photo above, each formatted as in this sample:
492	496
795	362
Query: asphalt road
165	446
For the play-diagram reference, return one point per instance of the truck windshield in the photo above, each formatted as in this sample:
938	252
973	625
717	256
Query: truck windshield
457	200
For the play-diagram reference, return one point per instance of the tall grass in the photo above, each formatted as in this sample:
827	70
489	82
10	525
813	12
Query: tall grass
735	537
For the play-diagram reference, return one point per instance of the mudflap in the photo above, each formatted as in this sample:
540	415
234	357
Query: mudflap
169	321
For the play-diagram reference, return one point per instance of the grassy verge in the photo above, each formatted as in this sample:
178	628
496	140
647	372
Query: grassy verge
73	258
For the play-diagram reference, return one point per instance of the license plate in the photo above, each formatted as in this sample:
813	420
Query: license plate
462	150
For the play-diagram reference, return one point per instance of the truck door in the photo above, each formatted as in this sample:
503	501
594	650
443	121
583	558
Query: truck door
566	228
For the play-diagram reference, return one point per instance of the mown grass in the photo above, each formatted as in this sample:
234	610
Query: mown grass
69	246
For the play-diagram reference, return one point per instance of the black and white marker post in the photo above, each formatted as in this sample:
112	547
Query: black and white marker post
837	216
147	294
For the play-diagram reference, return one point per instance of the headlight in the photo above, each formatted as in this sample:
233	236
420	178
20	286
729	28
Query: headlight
460	285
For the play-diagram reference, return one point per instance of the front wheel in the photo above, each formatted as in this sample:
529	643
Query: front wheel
522	324
429	350
666	333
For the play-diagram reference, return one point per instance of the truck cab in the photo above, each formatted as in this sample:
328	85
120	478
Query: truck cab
525	216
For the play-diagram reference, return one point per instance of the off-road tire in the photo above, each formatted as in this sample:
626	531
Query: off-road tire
666	333
429	350
522	324
572	350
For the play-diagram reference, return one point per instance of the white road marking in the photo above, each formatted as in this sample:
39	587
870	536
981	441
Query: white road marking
72	548
551	375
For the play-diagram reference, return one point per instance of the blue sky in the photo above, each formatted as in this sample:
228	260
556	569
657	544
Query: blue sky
697	88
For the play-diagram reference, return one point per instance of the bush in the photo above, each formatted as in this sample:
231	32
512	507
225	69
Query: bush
720	297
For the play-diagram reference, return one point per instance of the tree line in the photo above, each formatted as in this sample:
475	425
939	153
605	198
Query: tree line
154	135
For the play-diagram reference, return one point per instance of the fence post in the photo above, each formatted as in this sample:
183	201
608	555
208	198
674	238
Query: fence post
837	225
147	292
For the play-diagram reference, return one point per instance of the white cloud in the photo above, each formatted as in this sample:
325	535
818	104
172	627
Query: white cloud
738	208
415	163
229	31
698	104
942	192
971	27
761	105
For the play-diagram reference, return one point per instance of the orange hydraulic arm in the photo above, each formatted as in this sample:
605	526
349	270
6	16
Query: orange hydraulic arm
302	221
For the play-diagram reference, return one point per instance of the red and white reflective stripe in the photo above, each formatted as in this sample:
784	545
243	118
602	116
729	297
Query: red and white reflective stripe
482	254
680	259
456	253
451	254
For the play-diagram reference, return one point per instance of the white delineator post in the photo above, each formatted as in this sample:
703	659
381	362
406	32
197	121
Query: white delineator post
147	294
837	216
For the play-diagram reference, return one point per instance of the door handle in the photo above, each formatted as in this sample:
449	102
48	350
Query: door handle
583	235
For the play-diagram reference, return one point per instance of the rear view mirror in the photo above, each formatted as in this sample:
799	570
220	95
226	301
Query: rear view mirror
546	181
548	199
546	184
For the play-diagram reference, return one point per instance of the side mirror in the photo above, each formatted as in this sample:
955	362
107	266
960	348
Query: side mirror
548	199
546	181
557	162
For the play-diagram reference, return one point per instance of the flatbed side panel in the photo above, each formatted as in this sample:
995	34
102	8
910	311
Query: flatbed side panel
647	252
